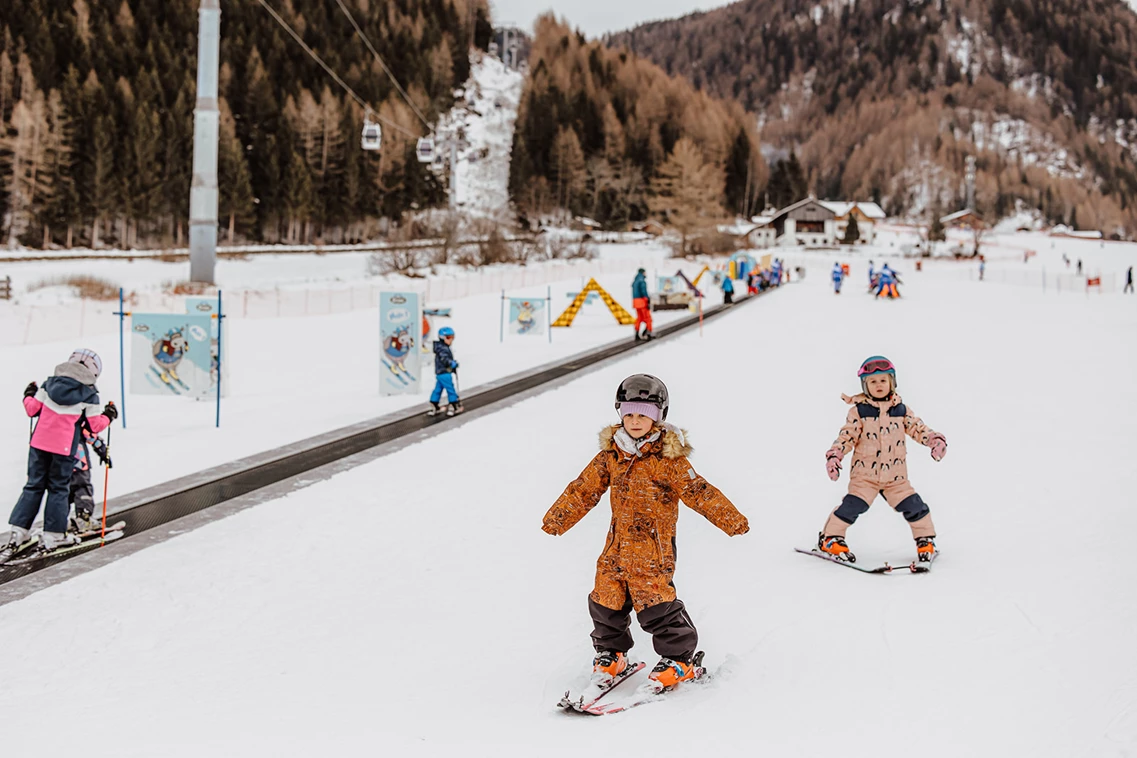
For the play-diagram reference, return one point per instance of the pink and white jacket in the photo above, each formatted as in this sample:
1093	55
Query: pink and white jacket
62	403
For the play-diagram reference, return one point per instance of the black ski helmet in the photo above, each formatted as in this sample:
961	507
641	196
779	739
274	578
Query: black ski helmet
643	388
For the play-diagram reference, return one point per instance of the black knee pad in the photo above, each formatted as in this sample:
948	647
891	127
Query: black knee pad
913	508
851	507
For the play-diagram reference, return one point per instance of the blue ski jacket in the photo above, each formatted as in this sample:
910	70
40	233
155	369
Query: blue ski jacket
444	362
639	286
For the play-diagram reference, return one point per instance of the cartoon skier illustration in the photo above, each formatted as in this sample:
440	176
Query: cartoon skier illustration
525	320
168	353
214	362
396	348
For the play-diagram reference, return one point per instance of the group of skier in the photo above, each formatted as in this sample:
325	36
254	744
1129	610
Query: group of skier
882	283
643	465
68	421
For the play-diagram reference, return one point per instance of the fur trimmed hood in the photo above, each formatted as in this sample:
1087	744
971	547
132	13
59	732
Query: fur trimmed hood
673	443
893	400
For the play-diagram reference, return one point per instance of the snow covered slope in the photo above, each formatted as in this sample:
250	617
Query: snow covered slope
413	607
482	125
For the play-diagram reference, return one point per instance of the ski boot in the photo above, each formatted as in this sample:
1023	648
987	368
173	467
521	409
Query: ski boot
435	410
13	542
82	521
454	409
608	665
925	549
836	547
51	540
669	672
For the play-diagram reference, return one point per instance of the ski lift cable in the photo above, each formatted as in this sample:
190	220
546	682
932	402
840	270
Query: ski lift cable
379	58
367	108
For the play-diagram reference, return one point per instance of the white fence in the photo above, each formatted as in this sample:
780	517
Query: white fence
37	324
1047	281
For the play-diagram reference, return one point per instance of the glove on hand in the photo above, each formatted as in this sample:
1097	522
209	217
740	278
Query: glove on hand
110	411
833	463
741	528
31	390
939	446
551	528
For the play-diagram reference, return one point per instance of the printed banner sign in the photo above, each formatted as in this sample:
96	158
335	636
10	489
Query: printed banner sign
527	315
400	328
208	306
670	284
170	355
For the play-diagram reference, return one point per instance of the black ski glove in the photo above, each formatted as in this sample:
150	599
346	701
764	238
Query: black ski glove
100	449
110	411
31	390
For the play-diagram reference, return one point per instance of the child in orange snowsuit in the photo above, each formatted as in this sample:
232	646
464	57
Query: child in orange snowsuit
643	464
874	433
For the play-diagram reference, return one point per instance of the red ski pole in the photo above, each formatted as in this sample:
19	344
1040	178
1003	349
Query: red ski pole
106	479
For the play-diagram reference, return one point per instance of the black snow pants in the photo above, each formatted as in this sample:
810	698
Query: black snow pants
673	634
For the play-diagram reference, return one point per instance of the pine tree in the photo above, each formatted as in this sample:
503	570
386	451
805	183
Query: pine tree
936	231
297	196
235	195
103	182
687	191
567	161
852	233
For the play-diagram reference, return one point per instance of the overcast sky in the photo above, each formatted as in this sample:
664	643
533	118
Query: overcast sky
594	17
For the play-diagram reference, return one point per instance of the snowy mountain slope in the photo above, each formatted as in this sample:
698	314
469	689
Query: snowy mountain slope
422	612
482	125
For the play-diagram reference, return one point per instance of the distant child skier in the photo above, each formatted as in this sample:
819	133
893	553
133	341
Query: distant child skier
641	301
1128	281
886	283
727	290
838	278
445	369
65	405
81	494
643	464
874	433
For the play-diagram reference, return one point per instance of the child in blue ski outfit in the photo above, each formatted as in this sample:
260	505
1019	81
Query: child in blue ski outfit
445	369
727	290
838	277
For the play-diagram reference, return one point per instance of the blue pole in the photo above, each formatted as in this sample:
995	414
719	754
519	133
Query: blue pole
121	359
549	313
220	331
501	319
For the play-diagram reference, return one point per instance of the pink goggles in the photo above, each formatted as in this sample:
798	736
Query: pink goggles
875	367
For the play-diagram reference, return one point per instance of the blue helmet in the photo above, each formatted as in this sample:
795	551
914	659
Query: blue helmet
876	364
445	332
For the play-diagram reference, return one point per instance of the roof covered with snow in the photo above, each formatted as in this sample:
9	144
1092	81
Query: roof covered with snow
842	208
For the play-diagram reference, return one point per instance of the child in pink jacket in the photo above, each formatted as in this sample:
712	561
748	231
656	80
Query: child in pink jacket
874	432
65	405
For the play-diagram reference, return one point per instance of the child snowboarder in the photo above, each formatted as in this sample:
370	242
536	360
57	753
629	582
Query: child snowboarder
643	462
874	432
445	369
66	404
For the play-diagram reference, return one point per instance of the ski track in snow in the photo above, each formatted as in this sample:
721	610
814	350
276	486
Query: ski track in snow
413	607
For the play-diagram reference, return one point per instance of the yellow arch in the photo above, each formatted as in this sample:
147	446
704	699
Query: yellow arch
622	316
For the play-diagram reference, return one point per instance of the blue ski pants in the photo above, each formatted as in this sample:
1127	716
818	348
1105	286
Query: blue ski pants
51	473
444	382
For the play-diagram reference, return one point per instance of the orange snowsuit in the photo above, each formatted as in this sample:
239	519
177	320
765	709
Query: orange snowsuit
638	561
874	433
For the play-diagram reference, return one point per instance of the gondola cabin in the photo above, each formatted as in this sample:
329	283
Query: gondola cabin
372	138
425	150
